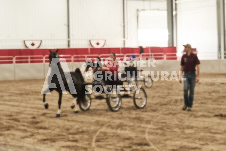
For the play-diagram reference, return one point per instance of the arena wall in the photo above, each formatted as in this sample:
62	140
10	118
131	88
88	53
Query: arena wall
131	21
6	72
47	21
39	70
29	71
33	20
223	66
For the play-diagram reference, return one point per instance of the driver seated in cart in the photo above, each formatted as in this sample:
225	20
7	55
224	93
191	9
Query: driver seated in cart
110	70
130	68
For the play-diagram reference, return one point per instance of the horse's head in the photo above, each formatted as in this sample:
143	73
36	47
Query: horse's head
52	55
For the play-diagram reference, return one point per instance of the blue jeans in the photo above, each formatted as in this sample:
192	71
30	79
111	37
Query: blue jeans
189	85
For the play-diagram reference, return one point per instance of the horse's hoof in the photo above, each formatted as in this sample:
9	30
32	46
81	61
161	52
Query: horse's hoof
73	106
58	115
46	106
76	112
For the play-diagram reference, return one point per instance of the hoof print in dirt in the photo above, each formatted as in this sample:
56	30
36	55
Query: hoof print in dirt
220	115
46	106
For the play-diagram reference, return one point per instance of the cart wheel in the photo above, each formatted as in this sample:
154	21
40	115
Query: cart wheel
148	82
86	107
140	98
114	102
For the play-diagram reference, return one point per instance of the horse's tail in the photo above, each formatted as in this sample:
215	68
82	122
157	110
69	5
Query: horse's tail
80	88
79	74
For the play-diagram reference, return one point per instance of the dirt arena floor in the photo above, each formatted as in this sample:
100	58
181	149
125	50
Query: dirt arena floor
162	125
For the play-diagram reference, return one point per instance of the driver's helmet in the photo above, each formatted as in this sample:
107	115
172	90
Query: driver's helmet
133	57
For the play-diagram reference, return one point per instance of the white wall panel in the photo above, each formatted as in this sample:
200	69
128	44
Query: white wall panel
7	72
152	28
29	71
39	71
222	66
131	24
197	25
89	19
33	19
96	19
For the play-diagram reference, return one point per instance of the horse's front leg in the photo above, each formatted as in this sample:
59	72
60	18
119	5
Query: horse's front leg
46	105
59	105
75	105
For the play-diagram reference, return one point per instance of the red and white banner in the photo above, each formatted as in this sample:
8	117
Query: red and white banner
32	44
97	43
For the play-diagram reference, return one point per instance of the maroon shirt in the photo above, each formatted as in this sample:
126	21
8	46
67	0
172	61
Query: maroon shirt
189	62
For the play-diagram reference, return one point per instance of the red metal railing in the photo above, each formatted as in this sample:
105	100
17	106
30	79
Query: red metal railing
83	58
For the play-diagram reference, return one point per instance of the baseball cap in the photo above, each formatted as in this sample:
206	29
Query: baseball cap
187	45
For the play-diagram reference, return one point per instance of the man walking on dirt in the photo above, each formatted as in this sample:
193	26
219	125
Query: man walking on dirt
189	64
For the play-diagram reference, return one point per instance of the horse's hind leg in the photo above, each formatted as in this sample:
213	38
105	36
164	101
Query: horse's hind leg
59	105
75	105
46	105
